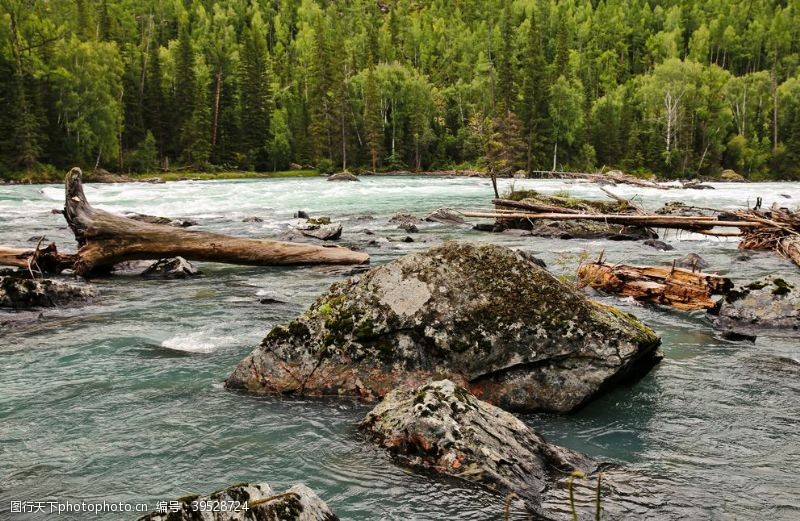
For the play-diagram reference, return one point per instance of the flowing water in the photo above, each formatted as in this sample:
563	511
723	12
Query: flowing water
122	400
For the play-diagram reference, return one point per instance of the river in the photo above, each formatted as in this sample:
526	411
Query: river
122	400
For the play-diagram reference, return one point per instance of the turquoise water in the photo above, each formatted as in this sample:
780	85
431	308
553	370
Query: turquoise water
122	400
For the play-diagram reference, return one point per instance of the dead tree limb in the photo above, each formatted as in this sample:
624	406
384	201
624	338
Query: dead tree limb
669	221
105	239
47	259
677	287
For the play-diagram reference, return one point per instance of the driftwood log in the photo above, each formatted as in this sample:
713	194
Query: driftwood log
38	260
670	286
105	239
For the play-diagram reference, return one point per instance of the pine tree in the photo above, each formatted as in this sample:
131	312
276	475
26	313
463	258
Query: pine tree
186	88
373	123
153	98
255	98
533	99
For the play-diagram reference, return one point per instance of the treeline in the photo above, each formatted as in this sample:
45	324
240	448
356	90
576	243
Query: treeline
677	87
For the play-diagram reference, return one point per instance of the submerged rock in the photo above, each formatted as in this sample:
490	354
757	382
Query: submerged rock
22	293
152	219
692	261
483	316
764	308
445	216
403	219
299	503
253	219
659	245
442	427
343	176
408	227
323	232
174	268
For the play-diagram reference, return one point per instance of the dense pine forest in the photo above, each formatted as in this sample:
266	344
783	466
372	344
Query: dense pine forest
674	87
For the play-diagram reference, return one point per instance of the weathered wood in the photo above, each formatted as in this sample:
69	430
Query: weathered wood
670	221
42	260
106	239
677	287
533	207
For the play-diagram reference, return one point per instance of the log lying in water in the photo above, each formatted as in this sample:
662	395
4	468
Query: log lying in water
669	286
667	221
106	239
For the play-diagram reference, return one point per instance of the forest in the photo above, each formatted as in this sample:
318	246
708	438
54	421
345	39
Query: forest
677	88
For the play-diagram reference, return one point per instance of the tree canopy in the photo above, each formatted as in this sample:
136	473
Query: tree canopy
676	87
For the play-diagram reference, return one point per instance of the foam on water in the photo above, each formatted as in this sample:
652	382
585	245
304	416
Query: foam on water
196	342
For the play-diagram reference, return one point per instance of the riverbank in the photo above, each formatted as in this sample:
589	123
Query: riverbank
49	176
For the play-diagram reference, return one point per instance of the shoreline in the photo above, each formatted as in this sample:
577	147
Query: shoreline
165	177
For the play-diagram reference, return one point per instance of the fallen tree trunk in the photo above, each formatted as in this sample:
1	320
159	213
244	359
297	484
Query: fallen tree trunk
669	221
677	287
533	207
105	239
42	260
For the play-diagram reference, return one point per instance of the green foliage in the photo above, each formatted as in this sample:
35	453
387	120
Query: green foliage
674	87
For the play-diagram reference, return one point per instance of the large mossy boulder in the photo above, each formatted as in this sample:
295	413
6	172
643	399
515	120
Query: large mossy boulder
18	292
768	307
443	428
486	317
246	501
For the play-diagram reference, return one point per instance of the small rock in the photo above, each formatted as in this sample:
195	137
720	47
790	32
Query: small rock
155	180
409	227
295	166
368	232
183	223
37	238
692	261
270	300
300	214
515	232
323	232
21	293
445	216
730	175
485	227
785	196
343	176
299	503
441	427
404	218
174	268
408	239
253	219
659	245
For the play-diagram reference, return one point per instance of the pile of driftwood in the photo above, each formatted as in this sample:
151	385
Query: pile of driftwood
776	229
669	286
105	239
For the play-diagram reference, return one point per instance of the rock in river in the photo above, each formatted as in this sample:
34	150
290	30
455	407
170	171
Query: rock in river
22	293
174	268
763	308
299	503
343	176
441	426
483	316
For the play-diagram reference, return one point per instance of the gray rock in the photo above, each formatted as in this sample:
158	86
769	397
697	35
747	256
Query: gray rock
174	268
253	219
23	293
299	503
404	218
659	245
440	426
763	308
343	176
408	227
483	316
323	232
445	216
692	261
300	214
